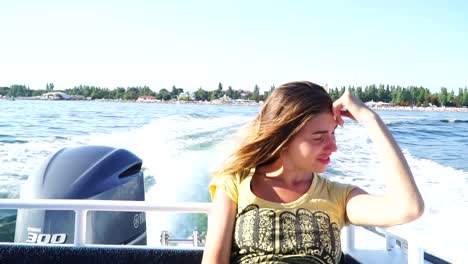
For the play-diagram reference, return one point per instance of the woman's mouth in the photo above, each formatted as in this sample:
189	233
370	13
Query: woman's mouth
324	161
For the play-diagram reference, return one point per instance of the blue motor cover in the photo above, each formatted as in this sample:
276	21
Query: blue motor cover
86	172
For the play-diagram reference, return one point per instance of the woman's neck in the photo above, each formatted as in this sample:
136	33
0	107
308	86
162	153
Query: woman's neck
278	172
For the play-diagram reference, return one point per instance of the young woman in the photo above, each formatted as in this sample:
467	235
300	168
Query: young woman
271	205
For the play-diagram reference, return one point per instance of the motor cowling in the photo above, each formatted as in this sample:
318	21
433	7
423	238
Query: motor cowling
85	172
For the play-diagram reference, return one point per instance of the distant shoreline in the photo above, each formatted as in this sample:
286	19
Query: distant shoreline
422	109
246	103
384	108
240	103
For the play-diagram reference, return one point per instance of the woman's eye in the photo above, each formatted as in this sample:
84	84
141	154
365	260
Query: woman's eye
320	139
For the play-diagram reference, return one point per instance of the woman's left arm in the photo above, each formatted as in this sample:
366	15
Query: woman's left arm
402	201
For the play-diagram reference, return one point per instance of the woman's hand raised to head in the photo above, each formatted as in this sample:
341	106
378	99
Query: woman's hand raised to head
350	106
401	201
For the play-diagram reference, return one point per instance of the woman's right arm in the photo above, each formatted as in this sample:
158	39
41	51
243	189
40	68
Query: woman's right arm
220	229
402	202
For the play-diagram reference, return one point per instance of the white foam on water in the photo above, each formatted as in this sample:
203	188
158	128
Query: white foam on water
21	160
179	173
168	147
441	228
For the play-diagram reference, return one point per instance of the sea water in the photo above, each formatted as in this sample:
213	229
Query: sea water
181	144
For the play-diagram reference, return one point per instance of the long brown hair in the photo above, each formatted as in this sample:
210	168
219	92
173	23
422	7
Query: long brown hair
284	113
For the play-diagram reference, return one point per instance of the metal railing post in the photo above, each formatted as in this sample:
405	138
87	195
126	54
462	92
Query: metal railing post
415	252
389	241
164	238
80	227
196	239
348	241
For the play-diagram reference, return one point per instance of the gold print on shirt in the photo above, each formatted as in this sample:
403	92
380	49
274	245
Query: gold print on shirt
303	236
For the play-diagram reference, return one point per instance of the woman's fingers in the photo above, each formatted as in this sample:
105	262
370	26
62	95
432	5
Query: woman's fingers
338	118
348	105
340	107
337	112
345	112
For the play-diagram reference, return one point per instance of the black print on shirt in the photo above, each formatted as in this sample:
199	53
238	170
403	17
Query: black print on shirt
301	237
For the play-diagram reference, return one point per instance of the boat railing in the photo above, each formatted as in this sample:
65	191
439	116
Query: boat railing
393	241
81	207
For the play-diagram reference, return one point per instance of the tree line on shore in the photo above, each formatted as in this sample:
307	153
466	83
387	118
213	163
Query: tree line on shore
398	95
407	96
132	93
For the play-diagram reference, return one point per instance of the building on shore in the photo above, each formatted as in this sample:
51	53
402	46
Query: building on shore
55	96
379	104
147	99
59	96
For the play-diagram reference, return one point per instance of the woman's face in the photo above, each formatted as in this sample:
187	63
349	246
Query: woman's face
310	149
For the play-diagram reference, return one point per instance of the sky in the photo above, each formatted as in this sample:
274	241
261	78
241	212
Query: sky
243	43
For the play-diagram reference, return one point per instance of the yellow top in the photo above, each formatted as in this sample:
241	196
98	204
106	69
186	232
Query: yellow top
303	231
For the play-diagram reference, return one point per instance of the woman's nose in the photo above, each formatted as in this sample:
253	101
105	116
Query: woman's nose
331	144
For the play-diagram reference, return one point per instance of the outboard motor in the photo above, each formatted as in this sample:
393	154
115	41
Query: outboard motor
87	172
